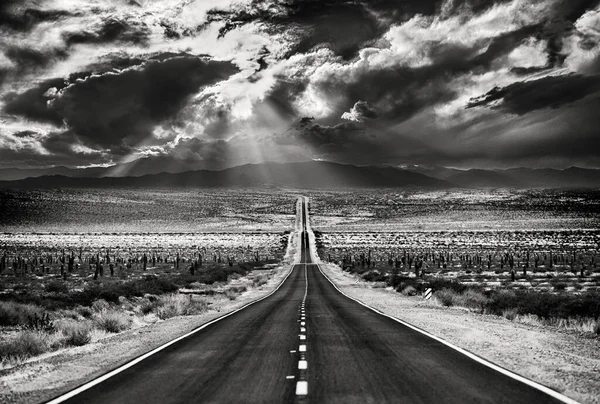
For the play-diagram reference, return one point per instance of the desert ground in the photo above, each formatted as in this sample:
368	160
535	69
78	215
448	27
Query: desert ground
86	273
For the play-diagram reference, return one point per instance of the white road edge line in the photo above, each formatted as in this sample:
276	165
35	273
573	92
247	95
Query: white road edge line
92	383
552	393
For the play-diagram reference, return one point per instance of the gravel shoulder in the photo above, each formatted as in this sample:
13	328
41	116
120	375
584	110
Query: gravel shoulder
566	361
46	376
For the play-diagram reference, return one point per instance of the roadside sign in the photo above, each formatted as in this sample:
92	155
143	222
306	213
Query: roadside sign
428	293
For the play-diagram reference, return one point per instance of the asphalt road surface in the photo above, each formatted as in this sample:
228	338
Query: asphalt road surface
309	343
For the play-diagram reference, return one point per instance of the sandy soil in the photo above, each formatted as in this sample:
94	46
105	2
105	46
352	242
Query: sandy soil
46	376
566	361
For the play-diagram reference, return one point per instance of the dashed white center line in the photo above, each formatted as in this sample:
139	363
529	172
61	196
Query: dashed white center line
302	385
301	388
293	351
290	377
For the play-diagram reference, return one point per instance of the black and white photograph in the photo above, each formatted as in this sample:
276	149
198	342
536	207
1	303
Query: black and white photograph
299	201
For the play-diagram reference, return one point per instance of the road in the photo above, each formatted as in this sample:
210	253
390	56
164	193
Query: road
308	343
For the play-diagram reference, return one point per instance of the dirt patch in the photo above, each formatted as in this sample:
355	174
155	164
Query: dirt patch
566	361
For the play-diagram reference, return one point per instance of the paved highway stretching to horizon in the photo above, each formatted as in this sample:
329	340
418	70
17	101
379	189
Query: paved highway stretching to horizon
307	342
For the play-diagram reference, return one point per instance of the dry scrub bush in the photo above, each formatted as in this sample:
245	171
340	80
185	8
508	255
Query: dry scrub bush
13	314
173	305
24	345
234	291
260	280
446	297
510	314
112	321
75	333
474	300
409	291
100	305
85	312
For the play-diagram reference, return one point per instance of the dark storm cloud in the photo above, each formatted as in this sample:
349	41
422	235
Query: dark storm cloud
29	58
55	148
561	24
33	103
344	26
387	80
548	92
14	18
116	110
120	108
306	132
400	92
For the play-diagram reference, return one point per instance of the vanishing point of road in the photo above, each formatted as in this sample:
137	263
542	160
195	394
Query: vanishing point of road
306	342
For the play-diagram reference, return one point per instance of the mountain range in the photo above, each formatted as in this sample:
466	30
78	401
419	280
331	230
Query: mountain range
166	172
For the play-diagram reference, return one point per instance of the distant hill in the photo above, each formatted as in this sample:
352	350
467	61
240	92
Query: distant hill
573	177
136	168
166	171
10	174
312	174
484	179
439	172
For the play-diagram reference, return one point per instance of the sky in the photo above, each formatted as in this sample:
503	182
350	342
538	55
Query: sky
461	83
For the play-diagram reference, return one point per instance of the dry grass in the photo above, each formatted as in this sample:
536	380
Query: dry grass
233	292
260	280
474	300
173	305
13	314
586	325
112	321
76	333
24	345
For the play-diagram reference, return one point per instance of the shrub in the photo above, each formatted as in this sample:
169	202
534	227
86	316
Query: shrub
174	305
146	306
76	334
112	321
85	312
474	299
234	291
409	291
446	297
231	294
56	286
14	314
374	276
510	314
100	305
440	283
24	345
40	323
260	280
